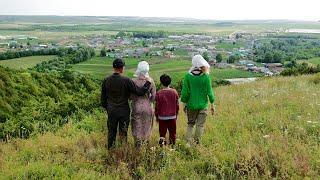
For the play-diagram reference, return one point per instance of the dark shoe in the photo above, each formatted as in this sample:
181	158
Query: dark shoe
162	142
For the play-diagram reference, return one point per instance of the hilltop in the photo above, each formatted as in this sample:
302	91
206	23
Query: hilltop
269	128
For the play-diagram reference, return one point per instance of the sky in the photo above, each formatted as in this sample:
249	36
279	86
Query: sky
200	9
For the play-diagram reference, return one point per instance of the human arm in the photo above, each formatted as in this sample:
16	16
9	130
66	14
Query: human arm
133	88
185	93
156	110
104	101
177	101
153	92
211	96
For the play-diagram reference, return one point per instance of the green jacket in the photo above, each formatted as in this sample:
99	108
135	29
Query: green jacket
196	90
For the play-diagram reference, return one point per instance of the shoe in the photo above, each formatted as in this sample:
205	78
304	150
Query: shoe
162	141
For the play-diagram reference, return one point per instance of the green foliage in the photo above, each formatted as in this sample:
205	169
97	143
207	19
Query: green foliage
285	49
103	52
147	35
246	139
206	56
219	57
26	53
36	102
233	58
300	69
67	57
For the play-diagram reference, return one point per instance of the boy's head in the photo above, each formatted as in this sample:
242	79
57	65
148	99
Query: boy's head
165	80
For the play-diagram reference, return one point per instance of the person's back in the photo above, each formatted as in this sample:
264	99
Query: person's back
167	103
166	110
118	91
197	89
142	104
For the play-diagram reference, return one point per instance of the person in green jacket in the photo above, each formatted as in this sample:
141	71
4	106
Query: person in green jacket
196	92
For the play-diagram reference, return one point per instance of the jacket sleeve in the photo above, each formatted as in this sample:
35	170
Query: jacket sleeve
177	101
185	93
210	90
104	100
133	88
153	92
156	110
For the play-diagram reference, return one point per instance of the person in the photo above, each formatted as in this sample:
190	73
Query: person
142	111
196	90
115	92
166	110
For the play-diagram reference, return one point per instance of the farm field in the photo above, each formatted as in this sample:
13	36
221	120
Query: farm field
100	67
25	62
266	129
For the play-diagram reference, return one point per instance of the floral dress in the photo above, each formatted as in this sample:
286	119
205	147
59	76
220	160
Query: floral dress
142	111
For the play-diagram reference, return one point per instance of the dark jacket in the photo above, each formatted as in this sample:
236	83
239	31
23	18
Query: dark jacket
116	90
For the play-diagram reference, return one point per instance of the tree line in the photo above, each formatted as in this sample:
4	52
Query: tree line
18	54
280	50
67	56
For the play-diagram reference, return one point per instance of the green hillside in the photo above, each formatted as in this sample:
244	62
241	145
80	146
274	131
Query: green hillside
266	129
25	62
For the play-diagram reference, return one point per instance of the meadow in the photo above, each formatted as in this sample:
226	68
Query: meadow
313	61
265	129
100	67
25	62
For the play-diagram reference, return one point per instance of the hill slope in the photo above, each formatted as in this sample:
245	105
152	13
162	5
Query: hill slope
269	128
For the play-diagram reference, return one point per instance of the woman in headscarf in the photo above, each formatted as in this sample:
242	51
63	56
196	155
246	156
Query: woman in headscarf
142	111
196	90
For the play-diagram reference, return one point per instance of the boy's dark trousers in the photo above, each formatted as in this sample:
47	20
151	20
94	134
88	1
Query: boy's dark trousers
169	125
119	118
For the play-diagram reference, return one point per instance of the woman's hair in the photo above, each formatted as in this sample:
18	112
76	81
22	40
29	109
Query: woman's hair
165	80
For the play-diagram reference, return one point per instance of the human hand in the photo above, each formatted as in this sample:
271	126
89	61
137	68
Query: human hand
147	85
185	109
212	109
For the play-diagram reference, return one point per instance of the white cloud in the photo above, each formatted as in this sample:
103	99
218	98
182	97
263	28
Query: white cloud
210	9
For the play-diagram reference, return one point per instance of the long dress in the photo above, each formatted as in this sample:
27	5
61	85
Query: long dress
142	111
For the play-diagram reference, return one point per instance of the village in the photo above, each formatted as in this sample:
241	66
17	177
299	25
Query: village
225	51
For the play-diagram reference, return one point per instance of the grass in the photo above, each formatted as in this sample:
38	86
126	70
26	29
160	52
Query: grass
25	62
314	61
266	129
100	67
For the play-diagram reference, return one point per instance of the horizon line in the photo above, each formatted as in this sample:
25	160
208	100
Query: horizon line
163	17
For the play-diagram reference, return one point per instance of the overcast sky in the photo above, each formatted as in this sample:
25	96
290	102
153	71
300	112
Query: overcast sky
203	9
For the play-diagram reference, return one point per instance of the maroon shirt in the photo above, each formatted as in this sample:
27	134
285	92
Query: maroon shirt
167	103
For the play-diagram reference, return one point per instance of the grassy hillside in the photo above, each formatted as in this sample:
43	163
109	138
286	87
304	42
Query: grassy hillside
265	129
25	62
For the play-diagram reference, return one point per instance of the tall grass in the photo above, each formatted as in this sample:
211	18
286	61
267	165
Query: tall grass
266	129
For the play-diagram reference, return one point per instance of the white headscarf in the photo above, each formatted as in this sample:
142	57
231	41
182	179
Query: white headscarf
197	62
142	69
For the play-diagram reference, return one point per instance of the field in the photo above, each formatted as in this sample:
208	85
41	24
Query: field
25	62
266	129
100	67
314	61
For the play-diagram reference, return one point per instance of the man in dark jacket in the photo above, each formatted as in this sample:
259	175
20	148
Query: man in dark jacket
116	90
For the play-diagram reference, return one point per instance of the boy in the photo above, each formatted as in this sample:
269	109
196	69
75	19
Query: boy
166	110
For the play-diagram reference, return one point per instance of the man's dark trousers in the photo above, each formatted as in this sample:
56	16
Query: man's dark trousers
119	118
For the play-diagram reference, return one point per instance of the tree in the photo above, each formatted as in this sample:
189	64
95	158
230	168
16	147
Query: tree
121	34
233	58
219	57
103	52
205	55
